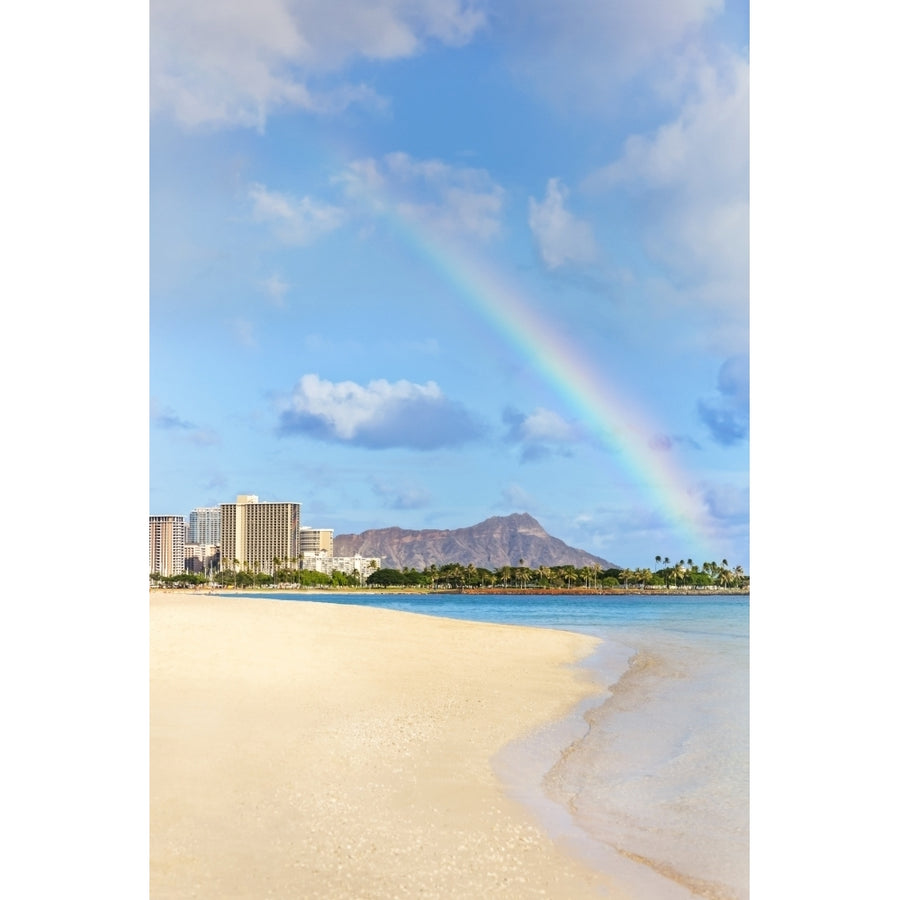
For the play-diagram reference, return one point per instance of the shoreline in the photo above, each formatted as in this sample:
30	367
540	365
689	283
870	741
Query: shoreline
338	751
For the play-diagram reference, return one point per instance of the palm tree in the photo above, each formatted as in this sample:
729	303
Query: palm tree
658	561
691	569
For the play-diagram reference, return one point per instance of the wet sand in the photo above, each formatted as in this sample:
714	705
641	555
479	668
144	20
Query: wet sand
302	749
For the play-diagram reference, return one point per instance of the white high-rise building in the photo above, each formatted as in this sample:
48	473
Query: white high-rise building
205	525
167	545
362	566
255	535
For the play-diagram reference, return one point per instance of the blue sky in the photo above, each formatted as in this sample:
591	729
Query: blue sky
422	263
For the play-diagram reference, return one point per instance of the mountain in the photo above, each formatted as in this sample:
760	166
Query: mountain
496	542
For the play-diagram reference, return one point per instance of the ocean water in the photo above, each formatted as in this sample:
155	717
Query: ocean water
649	778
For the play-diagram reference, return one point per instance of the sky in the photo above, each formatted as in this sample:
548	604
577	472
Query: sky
417	263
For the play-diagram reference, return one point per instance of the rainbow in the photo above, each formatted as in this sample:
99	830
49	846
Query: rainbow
576	380
568	371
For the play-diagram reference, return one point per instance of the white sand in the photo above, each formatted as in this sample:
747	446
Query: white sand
308	750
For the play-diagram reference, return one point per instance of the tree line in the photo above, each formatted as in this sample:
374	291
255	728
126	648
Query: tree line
684	574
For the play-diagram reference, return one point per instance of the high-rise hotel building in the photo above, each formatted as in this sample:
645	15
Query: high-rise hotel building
167	545
205	525
316	541
255	534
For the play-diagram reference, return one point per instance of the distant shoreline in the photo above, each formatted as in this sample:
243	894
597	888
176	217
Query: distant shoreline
569	592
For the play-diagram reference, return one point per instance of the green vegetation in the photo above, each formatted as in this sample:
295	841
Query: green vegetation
254	579
456	576
683	575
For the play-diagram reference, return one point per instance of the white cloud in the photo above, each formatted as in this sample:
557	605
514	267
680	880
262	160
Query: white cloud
294	221
276	289
229	62
362	180
540	434
546	425
561	237
581	52
691	177
378	415
348	406
453	200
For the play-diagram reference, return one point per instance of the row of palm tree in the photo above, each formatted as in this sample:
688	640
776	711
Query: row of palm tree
456	576
717	573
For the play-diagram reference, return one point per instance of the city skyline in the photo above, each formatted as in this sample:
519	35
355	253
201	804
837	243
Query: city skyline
435	263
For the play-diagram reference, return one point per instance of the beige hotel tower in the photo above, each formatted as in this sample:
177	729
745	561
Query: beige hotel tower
166	545
255	534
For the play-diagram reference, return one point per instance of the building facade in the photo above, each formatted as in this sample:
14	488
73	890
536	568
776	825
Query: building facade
359	566
166	545
318	541
205	525
201	558
254	535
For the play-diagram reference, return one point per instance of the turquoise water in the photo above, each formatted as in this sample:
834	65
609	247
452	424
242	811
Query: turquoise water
648	779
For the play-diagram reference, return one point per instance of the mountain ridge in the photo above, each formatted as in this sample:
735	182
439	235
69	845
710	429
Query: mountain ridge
513	540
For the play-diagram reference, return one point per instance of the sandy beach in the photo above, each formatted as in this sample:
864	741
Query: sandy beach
301	749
